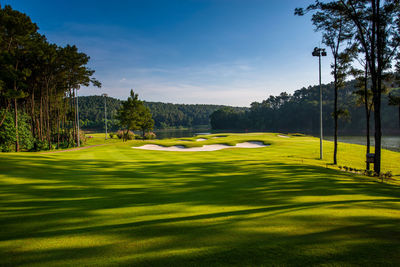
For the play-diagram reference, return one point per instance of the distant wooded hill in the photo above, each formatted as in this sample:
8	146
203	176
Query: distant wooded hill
165	115
299	112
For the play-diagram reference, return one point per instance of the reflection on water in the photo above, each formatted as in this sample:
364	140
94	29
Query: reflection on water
162	134
388	142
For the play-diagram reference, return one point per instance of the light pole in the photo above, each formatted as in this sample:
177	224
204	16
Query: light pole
318	52
77	117
105	111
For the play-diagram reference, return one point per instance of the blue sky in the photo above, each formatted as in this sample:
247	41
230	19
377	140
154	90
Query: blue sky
230	52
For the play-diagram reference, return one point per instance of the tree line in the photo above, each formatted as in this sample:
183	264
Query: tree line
299	112
367	32
358	33
39	82
165	115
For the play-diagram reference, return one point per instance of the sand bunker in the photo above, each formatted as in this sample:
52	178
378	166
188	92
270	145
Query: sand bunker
283	136
203	148
200	139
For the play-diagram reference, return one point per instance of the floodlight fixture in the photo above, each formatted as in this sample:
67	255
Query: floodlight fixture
320	52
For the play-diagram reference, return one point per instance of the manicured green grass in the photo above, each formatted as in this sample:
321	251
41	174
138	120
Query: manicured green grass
278	205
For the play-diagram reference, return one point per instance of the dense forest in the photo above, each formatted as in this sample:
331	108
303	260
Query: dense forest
39	82
299	112
165	115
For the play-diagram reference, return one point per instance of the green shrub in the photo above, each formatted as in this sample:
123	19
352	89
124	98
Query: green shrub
40	145
369	172
120	134
7	133
111	135
386	175
150	135
82	137
127	136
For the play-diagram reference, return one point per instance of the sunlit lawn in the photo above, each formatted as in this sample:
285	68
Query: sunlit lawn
278	205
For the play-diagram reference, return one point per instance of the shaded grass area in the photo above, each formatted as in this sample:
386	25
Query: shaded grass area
277	205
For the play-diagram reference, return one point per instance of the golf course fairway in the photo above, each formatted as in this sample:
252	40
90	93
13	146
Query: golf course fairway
275	205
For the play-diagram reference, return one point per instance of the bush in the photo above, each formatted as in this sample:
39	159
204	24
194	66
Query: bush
150	135
82	137
7	133
111	135
40	145
120	134
127	136
386	175
369	172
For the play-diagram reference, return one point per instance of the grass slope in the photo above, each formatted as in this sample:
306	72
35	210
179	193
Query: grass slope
278	205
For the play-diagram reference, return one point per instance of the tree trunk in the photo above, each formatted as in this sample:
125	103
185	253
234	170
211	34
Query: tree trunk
126	135
48	117
367	111
5	113
33	114
378	132
58	128
368	115
41	119
378	92
336	118
16	125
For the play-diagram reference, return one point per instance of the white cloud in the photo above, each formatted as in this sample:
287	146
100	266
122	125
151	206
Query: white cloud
229	83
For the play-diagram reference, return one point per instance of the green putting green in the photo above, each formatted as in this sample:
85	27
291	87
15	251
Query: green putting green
276	205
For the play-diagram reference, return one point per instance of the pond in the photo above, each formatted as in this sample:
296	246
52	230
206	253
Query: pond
176	133
388	142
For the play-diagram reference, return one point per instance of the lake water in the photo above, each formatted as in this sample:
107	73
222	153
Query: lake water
388	142
161	134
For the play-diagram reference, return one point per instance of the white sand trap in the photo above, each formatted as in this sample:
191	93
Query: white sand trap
200	139
283	136
203	148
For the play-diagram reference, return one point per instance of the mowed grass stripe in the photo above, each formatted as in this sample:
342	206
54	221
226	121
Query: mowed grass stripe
278	205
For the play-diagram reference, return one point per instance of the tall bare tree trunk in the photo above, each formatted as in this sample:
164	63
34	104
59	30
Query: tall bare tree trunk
367	111
33	114
6	110
48	116
378	85
16	125
58	128
335	114
41	119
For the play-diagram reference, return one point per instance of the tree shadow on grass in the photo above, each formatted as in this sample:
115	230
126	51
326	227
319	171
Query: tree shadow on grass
51	199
